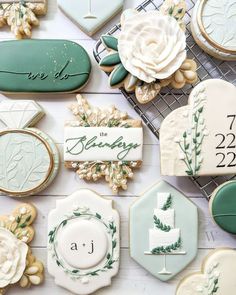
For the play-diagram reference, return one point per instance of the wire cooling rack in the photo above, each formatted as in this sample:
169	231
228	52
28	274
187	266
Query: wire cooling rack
169	99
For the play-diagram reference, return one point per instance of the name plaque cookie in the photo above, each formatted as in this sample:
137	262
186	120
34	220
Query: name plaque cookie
102	143
43	66
83	242
200	138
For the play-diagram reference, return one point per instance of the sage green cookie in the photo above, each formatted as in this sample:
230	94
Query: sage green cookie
43	66
223	206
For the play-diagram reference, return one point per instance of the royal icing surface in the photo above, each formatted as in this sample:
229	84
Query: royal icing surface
83	242
199	139
223	206
217	276
90	15
12	258
162	239
103	143
29	159
43	66
151	45
212	26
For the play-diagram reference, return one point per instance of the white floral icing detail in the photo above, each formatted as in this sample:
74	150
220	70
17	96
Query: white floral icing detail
23	210
151	46
12	258
84	280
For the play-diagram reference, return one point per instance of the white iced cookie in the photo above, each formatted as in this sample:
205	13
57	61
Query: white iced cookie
199	138
83	242
151	46
213	27
217	276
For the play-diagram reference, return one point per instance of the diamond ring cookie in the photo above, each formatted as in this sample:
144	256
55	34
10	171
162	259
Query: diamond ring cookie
29	158
199	139
213	27
21	15
83	242
150	52
90	15
103	144
43	66
222	206
18	266
162	239
217	276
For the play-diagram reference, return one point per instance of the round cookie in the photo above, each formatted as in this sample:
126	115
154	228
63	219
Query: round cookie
214	29
223	206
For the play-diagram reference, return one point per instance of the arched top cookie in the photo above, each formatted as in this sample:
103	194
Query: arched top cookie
200	138
43	66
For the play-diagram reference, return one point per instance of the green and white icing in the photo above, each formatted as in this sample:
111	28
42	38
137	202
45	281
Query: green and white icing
217	276
218	19
43	66
90	15
199	139
161	238
103	143
25	163
83	242
223	206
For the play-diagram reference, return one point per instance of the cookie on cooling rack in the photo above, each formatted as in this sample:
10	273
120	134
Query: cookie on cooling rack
222	206
213	27
199	138
145	56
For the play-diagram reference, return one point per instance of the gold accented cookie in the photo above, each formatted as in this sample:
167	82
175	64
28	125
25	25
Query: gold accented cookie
21	15
17	264
29	158
103	143
145	57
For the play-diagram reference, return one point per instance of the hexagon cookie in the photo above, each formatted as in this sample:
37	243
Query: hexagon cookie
163	231
83	242
90	15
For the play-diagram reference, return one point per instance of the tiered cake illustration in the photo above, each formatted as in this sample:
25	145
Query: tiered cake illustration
164	238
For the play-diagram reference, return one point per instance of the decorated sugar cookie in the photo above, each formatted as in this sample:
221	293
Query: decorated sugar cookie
83	242
199	139
21	15
215	278
43	66
29	158
103	144
222	206
90	15
18	266
162	239
145	56
213	27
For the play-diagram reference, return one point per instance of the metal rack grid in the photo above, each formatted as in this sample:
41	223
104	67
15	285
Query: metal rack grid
169	99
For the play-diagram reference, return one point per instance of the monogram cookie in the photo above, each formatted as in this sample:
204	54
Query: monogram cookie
199	138
30	160
83	242
102	144
21	15
18	266
43	66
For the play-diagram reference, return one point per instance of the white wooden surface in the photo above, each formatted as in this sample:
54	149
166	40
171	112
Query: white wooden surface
132	279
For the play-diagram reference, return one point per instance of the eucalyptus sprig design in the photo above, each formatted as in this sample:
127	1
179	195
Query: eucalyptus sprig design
85	213
167	204
160	225
191	142
212	285
167	249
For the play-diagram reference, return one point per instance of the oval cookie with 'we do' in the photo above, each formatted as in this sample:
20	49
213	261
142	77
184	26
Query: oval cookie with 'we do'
43	66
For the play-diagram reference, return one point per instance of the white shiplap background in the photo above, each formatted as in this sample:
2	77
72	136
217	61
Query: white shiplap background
132	279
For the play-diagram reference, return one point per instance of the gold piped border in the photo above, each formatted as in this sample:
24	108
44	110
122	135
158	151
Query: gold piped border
50	169
204	33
